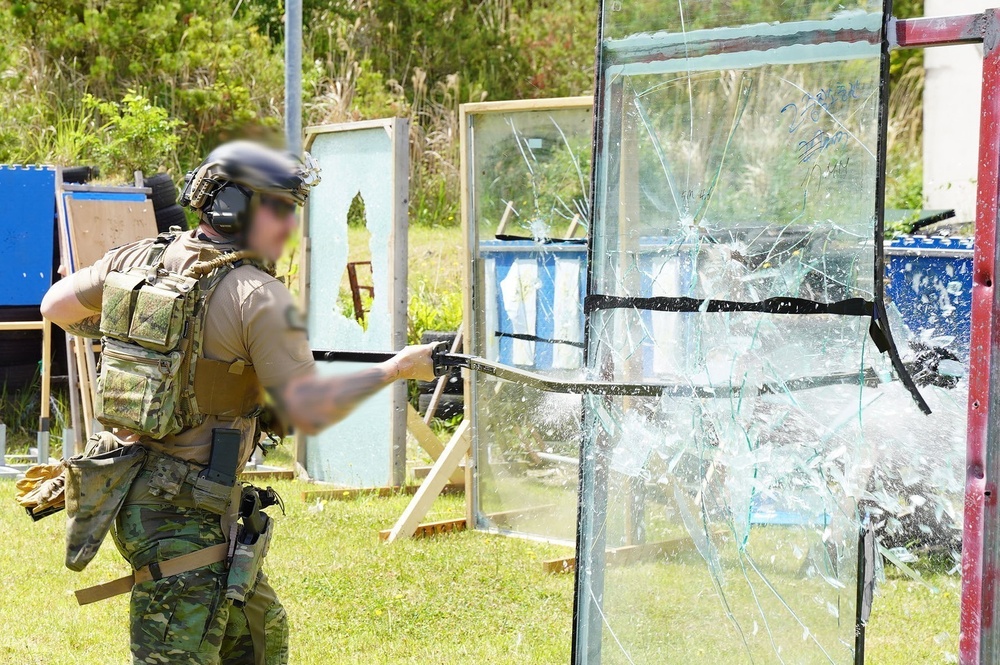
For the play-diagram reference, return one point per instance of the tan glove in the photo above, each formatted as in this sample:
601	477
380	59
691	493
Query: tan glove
41	489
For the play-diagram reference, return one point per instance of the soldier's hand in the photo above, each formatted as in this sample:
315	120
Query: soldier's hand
415	362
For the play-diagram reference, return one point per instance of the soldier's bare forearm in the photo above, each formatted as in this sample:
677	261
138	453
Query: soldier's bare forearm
89	327
314	402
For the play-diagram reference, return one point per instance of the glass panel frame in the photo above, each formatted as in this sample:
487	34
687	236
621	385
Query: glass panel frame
716	515
355	159
525	182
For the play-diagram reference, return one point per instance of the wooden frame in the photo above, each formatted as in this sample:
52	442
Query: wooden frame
398	131
45	326
471	254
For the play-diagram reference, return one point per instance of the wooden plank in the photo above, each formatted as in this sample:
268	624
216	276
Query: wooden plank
447	464
470	245
46	373
96	226
350	493
74	398
9	326
424	435
625	556
508	516
431	528
274	474
509	106
398	269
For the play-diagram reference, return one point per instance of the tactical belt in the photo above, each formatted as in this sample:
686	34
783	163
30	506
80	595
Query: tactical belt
154	571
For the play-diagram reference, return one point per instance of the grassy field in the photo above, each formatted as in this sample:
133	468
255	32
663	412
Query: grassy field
460	598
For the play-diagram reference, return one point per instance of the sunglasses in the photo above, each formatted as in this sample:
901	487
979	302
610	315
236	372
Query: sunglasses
280	207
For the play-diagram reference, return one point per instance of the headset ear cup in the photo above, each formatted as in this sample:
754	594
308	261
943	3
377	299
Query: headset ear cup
229	211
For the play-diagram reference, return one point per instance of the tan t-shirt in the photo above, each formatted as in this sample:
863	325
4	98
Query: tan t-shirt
251	317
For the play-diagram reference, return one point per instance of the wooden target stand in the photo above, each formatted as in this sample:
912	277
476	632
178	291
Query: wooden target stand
45	326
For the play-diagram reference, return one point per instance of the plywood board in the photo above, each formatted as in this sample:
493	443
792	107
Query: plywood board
95	226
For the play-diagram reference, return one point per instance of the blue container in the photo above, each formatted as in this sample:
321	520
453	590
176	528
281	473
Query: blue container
503	254
929	279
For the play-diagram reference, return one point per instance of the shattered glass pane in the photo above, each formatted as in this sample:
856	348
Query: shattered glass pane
736	202
528	178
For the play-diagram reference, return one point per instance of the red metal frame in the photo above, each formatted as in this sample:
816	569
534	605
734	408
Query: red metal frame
977	642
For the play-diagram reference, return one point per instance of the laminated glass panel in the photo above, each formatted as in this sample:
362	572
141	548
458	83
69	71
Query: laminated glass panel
527	174
734	262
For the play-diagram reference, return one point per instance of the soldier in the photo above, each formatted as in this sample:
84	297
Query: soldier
240	332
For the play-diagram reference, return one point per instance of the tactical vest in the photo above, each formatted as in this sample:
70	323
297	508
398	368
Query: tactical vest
154	380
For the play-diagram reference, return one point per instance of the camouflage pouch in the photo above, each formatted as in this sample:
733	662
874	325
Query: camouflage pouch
118	302
248	559
138	389
213	497
96	488
161	312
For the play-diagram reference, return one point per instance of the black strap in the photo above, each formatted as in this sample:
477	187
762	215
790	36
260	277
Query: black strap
781	305
154	257
897	362
533	338
542	241
878	329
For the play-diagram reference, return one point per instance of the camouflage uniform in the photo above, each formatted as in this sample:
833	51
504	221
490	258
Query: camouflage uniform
241	331
186	618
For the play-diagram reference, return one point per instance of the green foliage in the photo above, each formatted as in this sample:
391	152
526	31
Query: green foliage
432	310
20	410
196	61
137	135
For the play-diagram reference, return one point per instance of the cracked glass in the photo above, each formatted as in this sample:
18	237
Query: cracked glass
733	517
528	178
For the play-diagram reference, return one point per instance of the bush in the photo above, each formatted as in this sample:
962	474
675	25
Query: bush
137	135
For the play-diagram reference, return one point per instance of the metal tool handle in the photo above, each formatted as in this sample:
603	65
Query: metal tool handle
444	362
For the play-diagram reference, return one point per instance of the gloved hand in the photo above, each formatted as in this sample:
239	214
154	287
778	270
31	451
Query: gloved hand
415	362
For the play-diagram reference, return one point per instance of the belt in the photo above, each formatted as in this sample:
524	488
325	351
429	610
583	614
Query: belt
154	571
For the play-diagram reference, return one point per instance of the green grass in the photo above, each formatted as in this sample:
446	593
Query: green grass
459	598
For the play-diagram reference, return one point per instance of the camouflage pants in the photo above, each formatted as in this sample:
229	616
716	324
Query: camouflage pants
186	619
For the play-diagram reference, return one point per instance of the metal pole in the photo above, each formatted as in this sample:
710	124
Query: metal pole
293	75
977	642
69	443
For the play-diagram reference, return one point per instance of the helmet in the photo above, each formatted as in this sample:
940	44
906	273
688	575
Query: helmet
221	189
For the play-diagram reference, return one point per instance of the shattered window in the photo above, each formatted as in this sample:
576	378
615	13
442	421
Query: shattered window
528	175
733	517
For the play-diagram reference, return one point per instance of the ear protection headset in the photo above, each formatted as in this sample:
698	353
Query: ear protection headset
229	209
